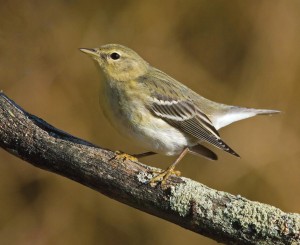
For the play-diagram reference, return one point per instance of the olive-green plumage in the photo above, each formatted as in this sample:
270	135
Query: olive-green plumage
162	114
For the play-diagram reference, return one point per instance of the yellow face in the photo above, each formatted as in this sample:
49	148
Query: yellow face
118	62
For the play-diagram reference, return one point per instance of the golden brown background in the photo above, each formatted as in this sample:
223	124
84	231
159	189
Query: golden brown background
235	52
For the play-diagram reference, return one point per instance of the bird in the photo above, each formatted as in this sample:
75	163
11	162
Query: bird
158	112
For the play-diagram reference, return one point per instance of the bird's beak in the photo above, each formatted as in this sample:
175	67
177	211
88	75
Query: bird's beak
90	51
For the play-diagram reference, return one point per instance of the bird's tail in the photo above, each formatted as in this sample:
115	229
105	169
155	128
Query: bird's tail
235	113
256	111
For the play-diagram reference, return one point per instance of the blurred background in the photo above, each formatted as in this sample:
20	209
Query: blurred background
244	53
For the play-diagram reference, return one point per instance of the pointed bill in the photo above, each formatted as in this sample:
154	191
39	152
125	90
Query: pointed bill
89	51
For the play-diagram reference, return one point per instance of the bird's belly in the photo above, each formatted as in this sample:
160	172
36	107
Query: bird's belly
158	136
135	121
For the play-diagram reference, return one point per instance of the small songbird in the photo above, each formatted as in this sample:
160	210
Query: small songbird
160	113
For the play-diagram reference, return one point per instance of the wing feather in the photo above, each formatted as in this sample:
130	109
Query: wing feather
182	113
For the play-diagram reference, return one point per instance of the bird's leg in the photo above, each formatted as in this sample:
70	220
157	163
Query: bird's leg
163	176
144	154
123	156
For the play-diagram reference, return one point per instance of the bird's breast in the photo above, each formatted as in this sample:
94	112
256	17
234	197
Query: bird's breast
123	105
126	110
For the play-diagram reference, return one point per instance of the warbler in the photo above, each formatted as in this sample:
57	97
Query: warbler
161	114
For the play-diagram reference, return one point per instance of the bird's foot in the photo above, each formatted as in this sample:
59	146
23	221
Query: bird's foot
163	176
124	156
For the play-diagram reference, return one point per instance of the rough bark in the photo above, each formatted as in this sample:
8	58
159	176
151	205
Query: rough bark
219	215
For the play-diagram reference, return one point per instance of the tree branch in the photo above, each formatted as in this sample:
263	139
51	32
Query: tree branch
221	216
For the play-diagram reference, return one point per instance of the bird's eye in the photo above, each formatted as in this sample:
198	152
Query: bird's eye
115	56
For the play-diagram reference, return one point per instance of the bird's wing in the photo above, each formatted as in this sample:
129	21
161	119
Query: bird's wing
172	104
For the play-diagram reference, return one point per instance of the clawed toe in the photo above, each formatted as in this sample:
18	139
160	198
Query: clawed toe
123	156
163	176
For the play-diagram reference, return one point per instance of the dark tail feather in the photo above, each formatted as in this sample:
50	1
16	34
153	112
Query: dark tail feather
203	151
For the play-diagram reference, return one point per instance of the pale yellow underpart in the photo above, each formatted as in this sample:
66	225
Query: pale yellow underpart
129	116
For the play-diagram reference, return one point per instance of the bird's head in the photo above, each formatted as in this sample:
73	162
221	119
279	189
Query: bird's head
118	62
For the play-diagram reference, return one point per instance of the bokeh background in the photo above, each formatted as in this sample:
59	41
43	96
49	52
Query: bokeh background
237	52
